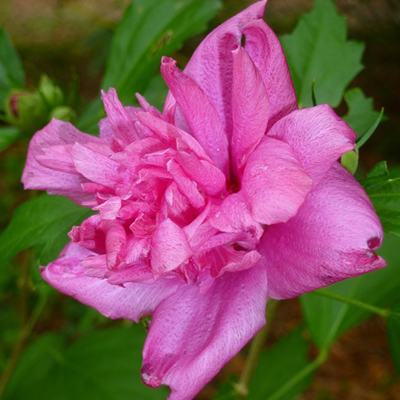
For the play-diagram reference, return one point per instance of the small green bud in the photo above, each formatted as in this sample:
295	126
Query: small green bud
349	161
52	95
26	111
30	111
64	113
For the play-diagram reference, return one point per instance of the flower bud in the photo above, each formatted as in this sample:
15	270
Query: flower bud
26	111
51	94
349	160
64	113
30	111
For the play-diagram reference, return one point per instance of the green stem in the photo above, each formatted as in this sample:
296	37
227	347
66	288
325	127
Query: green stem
380	311
257	345
307	370
19	345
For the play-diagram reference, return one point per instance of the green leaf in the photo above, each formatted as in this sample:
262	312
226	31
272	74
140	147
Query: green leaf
149	30
226	390
277	365
8	136
377	171
88	121
318	50
361	115
327	319
42	222
370	131
11	72
104	365
383	188
324	316
157	92
393	333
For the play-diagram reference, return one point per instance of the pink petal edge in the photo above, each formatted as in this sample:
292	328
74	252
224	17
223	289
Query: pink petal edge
131	301
274	183
193	334
332	237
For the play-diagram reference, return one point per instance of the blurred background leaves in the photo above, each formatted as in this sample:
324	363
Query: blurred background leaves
102	365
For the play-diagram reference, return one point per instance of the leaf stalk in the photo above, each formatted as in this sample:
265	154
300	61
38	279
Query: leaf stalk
354	302
257	345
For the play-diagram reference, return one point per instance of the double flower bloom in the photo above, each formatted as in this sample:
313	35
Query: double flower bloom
230	195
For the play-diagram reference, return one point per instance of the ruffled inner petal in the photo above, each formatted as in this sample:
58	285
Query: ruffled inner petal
201	116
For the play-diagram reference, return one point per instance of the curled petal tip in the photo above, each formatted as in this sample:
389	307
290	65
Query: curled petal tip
236	50
167	60
374	243
168	65
148	378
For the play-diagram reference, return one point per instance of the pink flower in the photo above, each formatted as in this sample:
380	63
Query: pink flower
230	195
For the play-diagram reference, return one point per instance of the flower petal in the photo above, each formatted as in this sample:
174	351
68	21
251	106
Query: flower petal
176	206
211	64
250	108
274	183
89	234
49	165
266	52
131	301
115	243
170	248
201	116
121	123
225	258
185	185
169	132
101	169
317	136
204	173
107	126
233	215
331	238
193	333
